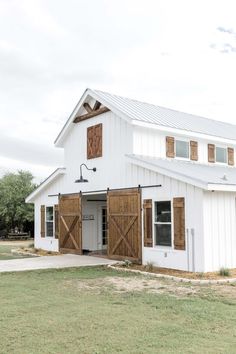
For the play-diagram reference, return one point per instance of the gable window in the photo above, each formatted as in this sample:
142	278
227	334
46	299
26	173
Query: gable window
162	223
49	221
221	154
182	149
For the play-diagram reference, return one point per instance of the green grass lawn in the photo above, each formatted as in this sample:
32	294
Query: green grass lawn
5	252
96	310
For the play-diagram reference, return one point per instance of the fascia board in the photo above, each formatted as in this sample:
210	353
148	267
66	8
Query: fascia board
46	182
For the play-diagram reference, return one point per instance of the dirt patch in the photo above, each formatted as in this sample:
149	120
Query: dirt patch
134	284
226	290
180	273
150	286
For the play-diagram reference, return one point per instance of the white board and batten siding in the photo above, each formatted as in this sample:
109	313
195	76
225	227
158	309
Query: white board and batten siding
152	143
117	142
47	243
219	230
209	217
191	258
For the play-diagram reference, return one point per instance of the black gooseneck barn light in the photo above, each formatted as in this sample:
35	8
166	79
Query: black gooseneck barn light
81	179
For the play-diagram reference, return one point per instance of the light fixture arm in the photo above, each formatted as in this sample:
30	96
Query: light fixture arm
89	169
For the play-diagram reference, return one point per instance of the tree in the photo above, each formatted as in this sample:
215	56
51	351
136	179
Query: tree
14	188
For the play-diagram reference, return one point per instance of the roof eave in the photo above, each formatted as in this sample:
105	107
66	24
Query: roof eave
59	171
168	173
221	187
183	132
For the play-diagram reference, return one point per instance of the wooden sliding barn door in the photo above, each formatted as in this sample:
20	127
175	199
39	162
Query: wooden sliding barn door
124	224
70	225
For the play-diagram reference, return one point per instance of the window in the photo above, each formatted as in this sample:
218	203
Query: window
221	154
49	221
162	223
182	149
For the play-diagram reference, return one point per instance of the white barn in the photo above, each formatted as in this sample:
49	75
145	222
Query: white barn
164	189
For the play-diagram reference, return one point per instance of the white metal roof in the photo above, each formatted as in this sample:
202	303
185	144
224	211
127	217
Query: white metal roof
150	113
136	111
208	177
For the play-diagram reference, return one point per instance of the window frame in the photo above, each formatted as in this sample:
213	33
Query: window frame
185	141
226	149
165	223
52	221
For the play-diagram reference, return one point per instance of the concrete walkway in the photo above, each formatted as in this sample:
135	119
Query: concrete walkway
49	262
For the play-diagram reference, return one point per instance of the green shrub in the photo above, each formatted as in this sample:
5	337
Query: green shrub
224	272
149	266
127	263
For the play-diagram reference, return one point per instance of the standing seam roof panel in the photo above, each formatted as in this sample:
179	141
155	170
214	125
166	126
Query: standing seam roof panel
150	113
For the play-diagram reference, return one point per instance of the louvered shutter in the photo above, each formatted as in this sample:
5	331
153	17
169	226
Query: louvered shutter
42	216
211	153
170	146
147	222
179	223
94	141
231	156
56	220
194	150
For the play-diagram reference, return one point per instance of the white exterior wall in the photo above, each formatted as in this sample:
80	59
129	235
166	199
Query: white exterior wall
151	142
192	258
111	172
47	243
114	171
219	230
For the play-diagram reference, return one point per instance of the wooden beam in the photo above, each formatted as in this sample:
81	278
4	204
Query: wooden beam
88	107
97	105
91	114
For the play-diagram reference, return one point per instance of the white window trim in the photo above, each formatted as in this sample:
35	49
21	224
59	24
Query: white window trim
53	221
222	147
159	247
186	141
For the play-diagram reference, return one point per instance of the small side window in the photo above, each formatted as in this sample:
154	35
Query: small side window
49	221
182	149
162	223
221	154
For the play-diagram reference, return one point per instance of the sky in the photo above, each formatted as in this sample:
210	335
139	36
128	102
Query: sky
178	54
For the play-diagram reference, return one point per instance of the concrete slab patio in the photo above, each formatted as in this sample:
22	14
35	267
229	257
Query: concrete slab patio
48	262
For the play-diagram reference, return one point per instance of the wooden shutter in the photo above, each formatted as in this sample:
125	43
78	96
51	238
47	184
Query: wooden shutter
147	222
56	220
231	156
179	223
194	150
94	141
211	153
170	146
42	212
